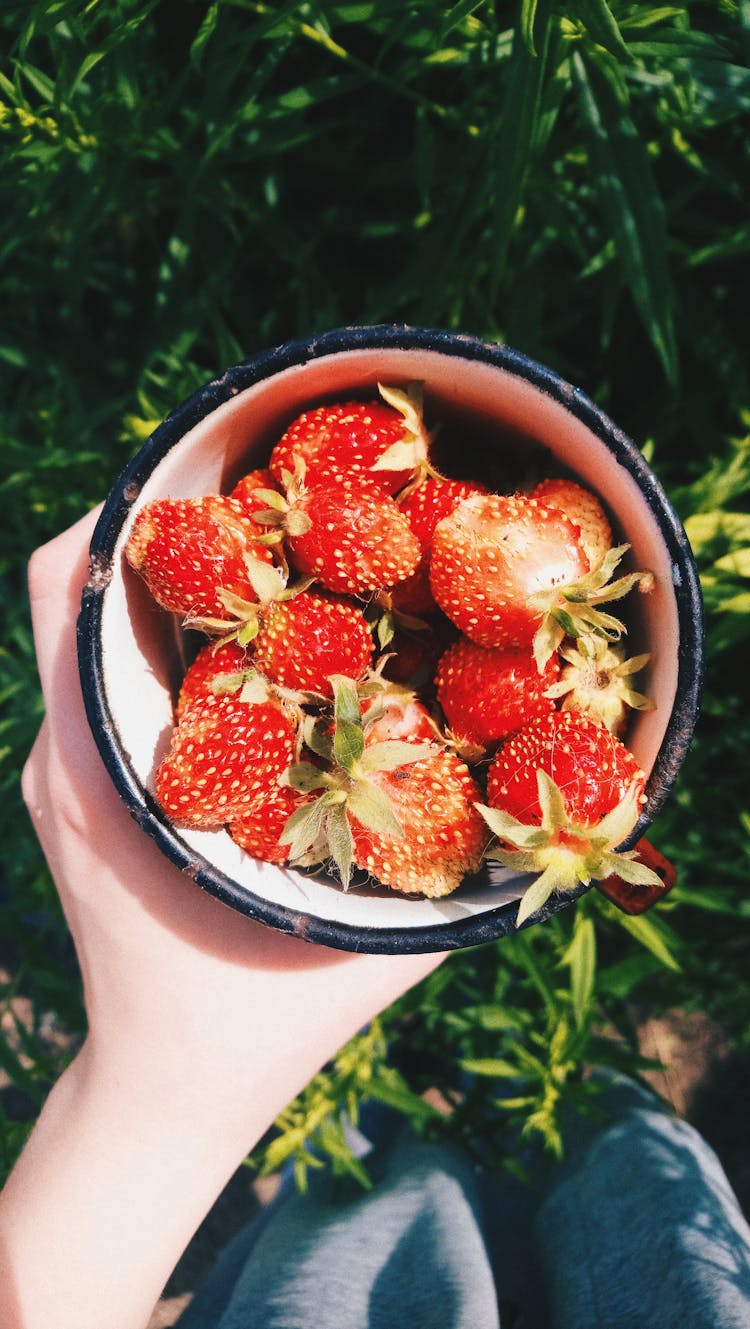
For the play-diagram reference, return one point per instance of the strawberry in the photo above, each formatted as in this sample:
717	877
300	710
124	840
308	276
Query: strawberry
492	555
517	574
226	755
401	809
395	714
212	662
433	498
591	767
489	692
350	537
191	551
425	504
258	831
304	640
599	684
246	491
564	792
584	510
356	440
443	837
510	572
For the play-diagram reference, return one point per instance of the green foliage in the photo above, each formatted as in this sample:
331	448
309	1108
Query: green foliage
503	1032
188	182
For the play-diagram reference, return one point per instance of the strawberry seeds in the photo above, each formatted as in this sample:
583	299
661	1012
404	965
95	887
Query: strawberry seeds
405	674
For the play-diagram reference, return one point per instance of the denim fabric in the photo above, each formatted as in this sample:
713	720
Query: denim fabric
409	1252
642	1229
637	1228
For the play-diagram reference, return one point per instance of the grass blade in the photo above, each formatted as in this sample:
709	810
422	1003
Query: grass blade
631	206
518	133
602	27
580	957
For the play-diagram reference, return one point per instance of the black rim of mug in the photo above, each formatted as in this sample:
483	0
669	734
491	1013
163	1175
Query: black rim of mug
493	923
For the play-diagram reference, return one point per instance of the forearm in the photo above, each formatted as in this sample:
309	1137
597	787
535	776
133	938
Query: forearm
204	1025
139	1136
107	1194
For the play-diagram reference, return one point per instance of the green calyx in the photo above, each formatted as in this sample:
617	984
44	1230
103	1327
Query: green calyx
571	611
563	853
251	685
244	617
596	679
255	689
321	828
411	453
282	516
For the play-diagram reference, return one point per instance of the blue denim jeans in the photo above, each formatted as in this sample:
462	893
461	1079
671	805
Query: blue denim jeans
637	1229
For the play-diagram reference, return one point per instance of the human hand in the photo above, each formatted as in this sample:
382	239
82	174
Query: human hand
202	1025
173	979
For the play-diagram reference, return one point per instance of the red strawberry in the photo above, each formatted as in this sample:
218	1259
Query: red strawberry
584	509
304	640
349	441
190	550
563	794
395	806
245	491
258	832
425	504
489	692
443	835
351	538
509	571
209	664
492	555
592	769
227	754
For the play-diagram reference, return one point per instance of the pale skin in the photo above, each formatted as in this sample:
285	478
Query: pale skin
202	1025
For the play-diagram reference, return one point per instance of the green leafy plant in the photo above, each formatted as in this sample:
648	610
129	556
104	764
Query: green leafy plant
188	182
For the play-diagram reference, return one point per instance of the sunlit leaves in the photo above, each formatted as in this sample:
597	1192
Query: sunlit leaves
184	185
630	201
520	112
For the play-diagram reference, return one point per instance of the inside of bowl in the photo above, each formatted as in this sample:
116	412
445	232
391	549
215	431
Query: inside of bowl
499	410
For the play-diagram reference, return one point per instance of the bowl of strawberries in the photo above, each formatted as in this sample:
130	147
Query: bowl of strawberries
392	641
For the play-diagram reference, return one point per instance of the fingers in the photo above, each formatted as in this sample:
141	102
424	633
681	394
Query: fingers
57	574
